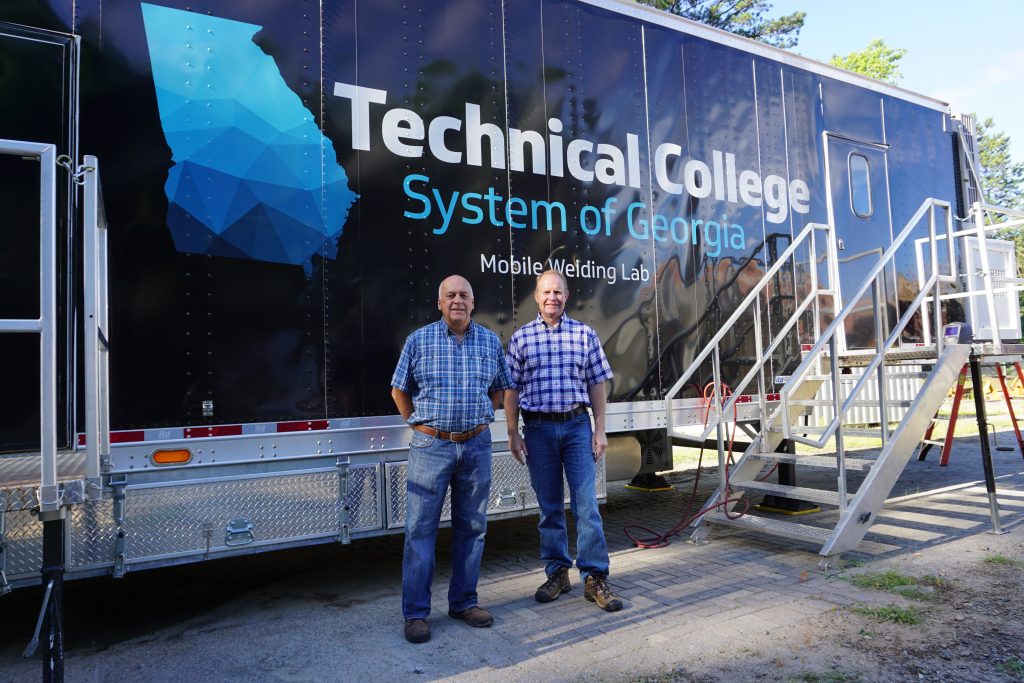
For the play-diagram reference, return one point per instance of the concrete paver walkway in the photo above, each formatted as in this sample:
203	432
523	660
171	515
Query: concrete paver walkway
333	612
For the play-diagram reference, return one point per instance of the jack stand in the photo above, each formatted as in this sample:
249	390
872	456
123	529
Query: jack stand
649	482
986	453
787	477
51	615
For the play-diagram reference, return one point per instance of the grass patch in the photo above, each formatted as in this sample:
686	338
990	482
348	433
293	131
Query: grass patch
892	613
686	458
885	581
1012	666
913	587
1000	560
827	677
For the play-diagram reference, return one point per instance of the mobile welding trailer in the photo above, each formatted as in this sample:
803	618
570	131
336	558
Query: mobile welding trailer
196	350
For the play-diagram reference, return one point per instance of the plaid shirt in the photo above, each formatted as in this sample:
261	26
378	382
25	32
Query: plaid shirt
449	380
552	367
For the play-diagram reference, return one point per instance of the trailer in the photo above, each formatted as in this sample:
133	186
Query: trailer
223	219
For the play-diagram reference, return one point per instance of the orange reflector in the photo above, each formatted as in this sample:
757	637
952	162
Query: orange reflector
175	457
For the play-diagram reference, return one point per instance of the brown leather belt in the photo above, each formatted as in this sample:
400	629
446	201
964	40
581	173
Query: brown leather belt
456	437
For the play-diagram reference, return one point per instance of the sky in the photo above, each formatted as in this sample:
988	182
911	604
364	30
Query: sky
967	54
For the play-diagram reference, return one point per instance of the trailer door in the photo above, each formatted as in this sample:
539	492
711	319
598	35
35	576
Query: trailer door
37	87
858	206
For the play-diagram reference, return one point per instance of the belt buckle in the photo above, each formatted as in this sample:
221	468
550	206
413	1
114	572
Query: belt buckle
457	437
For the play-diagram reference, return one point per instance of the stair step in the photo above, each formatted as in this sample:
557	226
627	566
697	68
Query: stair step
933	442
828	461
794	492
847	431
862	357
856	404
902	374
776	527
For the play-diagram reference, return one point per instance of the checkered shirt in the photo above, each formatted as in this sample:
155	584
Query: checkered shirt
449	380
551	368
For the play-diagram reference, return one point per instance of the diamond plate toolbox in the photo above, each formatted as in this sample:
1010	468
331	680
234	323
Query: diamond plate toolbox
194	520
510	489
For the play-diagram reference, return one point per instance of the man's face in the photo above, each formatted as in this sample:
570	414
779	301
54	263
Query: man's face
550	296
455	301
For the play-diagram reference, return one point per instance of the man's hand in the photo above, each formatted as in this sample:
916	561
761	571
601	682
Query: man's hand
515	441
598	401
518	447
600	445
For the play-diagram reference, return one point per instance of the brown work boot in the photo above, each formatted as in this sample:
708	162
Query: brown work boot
556	584
596	590
477	617
417	630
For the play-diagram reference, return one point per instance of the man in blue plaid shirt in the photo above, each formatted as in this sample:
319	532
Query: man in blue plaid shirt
450	378
558	369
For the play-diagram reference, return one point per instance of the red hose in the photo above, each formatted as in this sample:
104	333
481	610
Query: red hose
656	540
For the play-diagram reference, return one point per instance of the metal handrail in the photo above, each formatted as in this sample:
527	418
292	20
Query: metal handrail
45	324
96	328
979	209
827	337
754	297
977	231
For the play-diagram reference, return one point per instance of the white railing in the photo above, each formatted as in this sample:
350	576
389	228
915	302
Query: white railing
874	282
753	299
983	223
45	325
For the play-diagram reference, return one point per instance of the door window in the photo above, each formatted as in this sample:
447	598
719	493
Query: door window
860	185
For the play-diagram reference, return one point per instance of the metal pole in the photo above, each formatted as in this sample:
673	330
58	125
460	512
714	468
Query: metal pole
48	498
716	376
816	306
90	296
838	415
936	301
883	401
986	453
761	397
990	299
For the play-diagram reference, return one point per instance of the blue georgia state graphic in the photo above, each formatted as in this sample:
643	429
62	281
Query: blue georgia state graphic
247	179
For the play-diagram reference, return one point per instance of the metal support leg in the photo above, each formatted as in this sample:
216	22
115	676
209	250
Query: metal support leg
986	452
53	575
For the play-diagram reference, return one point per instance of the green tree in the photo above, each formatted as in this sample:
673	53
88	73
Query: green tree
877	60
742	17
1001	177
1003	184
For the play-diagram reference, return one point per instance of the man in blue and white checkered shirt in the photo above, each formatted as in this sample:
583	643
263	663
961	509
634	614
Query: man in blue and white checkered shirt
450	378
558	369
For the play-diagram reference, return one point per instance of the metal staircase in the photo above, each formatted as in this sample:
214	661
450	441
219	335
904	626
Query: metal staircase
822	366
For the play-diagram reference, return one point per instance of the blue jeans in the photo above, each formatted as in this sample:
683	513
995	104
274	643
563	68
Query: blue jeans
434	465
554	447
